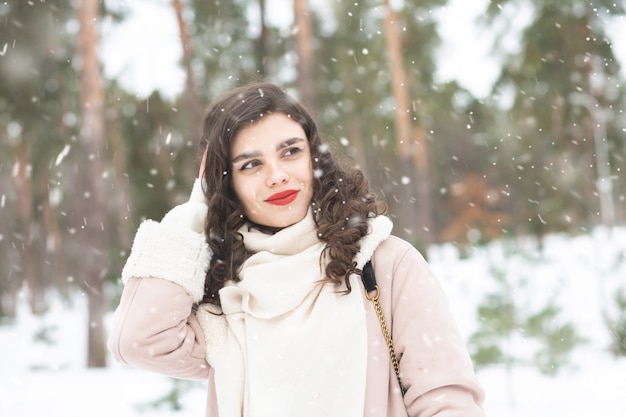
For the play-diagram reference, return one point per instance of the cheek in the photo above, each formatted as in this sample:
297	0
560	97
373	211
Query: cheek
309	174
238	187
245	189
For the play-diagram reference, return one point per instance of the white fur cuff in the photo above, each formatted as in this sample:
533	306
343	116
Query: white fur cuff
379	229
175	254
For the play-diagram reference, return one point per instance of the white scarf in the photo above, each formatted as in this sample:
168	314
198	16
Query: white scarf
287	343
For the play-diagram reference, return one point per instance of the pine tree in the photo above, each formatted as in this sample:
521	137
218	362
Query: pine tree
617	324
38	111
516	329
565	53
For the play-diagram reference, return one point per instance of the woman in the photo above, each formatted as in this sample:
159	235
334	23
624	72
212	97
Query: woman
254	283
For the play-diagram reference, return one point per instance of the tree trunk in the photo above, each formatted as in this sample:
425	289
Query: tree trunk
261	47
11	282
191	95
424	212
304	48
29	258
358	148
94	230
414	210
50	241
122	187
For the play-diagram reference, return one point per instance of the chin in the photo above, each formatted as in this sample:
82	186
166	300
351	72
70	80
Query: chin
285	217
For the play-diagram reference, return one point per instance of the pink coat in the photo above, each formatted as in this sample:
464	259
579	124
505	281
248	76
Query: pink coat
155	328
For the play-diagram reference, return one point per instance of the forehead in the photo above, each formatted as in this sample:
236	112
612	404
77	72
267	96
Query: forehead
269	131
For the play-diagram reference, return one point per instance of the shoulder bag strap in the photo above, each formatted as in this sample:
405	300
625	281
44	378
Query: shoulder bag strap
369	282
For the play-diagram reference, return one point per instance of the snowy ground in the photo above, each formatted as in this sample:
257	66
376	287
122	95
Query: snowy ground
42	360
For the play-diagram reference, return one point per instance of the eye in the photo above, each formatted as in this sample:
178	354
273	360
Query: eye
250	165
294	150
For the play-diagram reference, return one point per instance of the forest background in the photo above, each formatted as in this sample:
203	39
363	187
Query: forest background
83	158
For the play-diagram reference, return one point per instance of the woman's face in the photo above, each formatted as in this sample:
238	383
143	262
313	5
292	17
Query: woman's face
272	171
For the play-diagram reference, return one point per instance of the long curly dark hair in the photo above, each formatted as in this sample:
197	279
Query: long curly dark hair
342	200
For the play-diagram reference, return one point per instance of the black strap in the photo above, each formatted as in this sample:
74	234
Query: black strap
368	277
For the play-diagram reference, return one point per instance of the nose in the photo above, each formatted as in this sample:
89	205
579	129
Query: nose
277	175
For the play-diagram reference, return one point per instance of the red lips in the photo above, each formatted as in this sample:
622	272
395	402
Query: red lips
282	198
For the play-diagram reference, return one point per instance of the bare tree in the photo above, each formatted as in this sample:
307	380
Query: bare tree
29	250
410	142
261	47
191	95
122	186
304	48
11	281
93	210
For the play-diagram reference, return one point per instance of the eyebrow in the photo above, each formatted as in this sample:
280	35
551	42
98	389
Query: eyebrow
284	144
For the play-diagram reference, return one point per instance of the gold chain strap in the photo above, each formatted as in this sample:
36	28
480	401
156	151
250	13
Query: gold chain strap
386	334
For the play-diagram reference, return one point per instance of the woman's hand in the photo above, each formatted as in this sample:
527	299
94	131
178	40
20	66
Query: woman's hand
191	214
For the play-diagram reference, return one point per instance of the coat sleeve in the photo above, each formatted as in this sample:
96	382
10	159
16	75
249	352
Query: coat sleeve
155	326
435	366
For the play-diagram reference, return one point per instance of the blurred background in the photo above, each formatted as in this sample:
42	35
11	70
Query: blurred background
492	128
